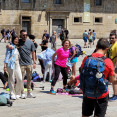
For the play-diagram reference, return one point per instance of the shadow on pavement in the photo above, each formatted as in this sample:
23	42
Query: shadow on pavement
78	96
45	92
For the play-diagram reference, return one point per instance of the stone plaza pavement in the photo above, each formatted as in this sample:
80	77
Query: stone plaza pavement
46	105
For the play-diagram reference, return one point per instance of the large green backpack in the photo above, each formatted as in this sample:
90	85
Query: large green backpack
4	101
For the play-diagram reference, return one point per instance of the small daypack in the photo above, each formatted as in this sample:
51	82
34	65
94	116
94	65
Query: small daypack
92	80
34	74
78	50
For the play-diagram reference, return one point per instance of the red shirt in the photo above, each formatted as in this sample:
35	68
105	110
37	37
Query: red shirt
109	71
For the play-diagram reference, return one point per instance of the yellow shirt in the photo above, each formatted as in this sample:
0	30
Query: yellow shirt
113	52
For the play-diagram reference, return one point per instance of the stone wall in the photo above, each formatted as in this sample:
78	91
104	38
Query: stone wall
43	11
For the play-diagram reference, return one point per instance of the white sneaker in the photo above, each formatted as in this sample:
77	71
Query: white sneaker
23	96
13	97
18	96
30	95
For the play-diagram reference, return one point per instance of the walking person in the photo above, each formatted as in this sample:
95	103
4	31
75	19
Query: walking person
44	46
11	65
85	36
62	35
8	34
90	38
94	36
66	33
95	94
46	35
3	32
53	40
32	38
26	48
60	65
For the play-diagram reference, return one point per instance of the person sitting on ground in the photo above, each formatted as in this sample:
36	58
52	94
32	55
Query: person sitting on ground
5	82
60	65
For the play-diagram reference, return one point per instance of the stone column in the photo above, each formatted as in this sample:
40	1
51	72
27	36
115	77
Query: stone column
50	26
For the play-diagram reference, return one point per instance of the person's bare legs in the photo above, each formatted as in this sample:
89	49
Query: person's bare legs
74	69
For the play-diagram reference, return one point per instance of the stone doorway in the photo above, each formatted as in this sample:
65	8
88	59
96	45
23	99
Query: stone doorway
57	25
26	24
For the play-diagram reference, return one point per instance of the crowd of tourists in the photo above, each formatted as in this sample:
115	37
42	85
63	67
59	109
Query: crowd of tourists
95	71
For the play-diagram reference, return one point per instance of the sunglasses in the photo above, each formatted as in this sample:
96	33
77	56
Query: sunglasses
112	38
25	35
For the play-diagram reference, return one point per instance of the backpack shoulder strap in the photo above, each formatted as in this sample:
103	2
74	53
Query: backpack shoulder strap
103	57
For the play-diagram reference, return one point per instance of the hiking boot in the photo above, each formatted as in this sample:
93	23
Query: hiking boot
30	95
113	98
13	97
23	96
52	92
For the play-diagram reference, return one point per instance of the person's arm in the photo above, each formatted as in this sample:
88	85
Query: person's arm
7	56
34	60
33	55
113	79
9	46
74	53
55	38
5	67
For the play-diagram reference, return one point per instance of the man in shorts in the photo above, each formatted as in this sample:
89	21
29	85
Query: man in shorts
85	35
99	104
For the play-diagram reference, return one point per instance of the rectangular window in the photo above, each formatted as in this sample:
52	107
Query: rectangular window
77	19
57	1
26	1
98	2
98	20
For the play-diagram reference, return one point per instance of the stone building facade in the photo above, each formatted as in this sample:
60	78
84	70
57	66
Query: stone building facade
75	15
